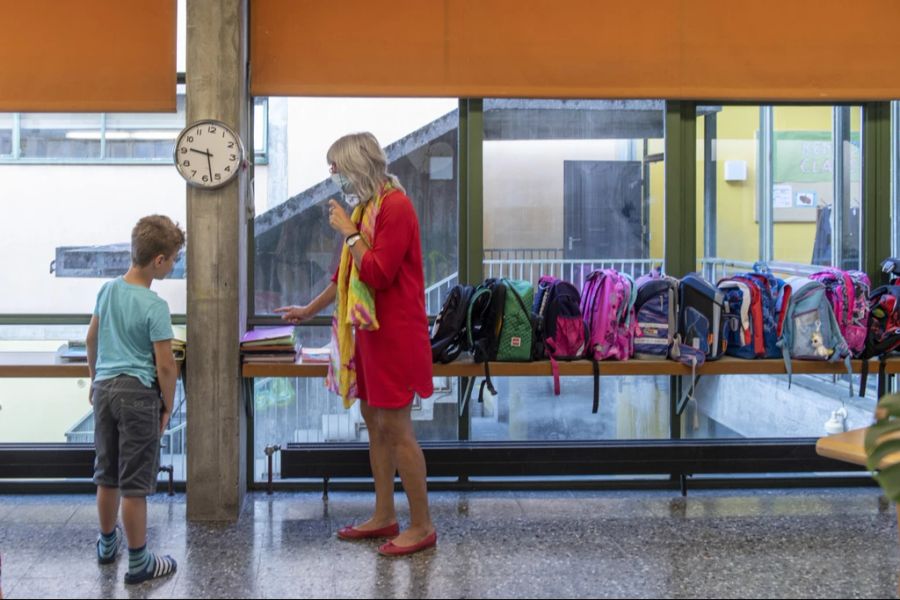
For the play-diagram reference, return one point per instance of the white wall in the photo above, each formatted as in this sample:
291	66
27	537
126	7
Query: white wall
523	188
46	206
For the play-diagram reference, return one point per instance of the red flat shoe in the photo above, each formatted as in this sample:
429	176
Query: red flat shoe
352	533
392	549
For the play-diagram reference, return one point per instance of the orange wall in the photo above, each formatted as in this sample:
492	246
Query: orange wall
688	49
87	55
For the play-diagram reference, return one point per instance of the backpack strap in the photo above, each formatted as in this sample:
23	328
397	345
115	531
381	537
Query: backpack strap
487	381
554	366
787	362
850	375
475	296
596	366
864	376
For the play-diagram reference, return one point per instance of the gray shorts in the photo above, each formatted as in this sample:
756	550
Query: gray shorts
126	435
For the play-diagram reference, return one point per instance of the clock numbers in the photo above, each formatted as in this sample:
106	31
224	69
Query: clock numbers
205	159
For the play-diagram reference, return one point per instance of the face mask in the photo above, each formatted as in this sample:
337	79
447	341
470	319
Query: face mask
343	183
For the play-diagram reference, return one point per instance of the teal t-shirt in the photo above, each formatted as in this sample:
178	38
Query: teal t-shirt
131	318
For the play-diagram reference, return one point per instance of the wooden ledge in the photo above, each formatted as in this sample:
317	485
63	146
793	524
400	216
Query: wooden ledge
723	366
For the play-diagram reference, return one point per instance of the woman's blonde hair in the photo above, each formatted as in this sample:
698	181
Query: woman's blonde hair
359	157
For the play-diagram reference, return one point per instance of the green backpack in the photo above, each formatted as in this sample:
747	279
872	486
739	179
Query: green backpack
516	336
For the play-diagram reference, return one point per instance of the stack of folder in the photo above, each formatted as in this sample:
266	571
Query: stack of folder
315	355
179	342
74	350
274	344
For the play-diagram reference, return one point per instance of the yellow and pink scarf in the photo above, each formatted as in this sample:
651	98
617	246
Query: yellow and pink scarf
354	306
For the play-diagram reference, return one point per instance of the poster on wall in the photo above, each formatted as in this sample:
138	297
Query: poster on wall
803	174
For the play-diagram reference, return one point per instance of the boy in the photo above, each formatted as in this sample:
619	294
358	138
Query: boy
132	394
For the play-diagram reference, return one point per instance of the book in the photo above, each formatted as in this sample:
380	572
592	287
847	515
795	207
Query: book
73	350
277	357
316	355
273	348
274	336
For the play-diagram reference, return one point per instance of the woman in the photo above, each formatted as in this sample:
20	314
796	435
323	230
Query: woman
381	352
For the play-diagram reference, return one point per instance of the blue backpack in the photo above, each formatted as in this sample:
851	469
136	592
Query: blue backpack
810	330
752	314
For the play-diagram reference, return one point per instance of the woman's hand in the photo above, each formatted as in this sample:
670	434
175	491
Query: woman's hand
295	314
338	219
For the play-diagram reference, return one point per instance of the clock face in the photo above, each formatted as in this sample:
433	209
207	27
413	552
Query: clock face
208	154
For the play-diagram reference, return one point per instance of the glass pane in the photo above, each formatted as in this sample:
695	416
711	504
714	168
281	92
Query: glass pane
525	409
572	185
811	183
61	136
797	147
895	177
56	410
144	136
763	406
302	410
68	228
6	128
740	148
296	250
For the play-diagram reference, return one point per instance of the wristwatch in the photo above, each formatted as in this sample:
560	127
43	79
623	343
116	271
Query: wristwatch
353	238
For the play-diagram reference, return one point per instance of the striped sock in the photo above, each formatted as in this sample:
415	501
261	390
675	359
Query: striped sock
144	565
108	545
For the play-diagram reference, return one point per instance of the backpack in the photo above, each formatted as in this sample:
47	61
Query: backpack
499	324
656	312
607	305
449	337
561	330
700	316
752	314
883	332
891	268
848	292
810	330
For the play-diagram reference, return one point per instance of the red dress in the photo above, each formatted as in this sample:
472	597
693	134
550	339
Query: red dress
394	362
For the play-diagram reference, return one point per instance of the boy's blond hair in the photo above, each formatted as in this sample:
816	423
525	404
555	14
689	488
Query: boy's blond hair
154	236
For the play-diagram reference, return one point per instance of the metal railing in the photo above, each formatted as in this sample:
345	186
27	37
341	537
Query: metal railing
572	270
435	293
714	269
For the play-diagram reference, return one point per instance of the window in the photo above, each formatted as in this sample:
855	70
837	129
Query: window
571	186
56	410
771	187
774	187
296	251
6	130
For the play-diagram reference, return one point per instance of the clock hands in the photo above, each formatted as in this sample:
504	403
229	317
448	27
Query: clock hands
208	159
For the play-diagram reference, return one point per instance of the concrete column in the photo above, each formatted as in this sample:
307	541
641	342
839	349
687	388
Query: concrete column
217	268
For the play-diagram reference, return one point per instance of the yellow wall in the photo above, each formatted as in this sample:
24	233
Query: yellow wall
736	219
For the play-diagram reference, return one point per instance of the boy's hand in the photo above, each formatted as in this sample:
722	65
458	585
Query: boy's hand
294	314
164	415
91	394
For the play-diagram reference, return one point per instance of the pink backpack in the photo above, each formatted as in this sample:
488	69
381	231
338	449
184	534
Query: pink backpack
848	293
607	303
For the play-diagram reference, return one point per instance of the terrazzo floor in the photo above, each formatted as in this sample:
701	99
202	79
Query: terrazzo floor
840	543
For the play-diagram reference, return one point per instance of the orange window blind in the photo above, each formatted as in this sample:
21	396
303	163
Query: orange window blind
87	55
822	50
